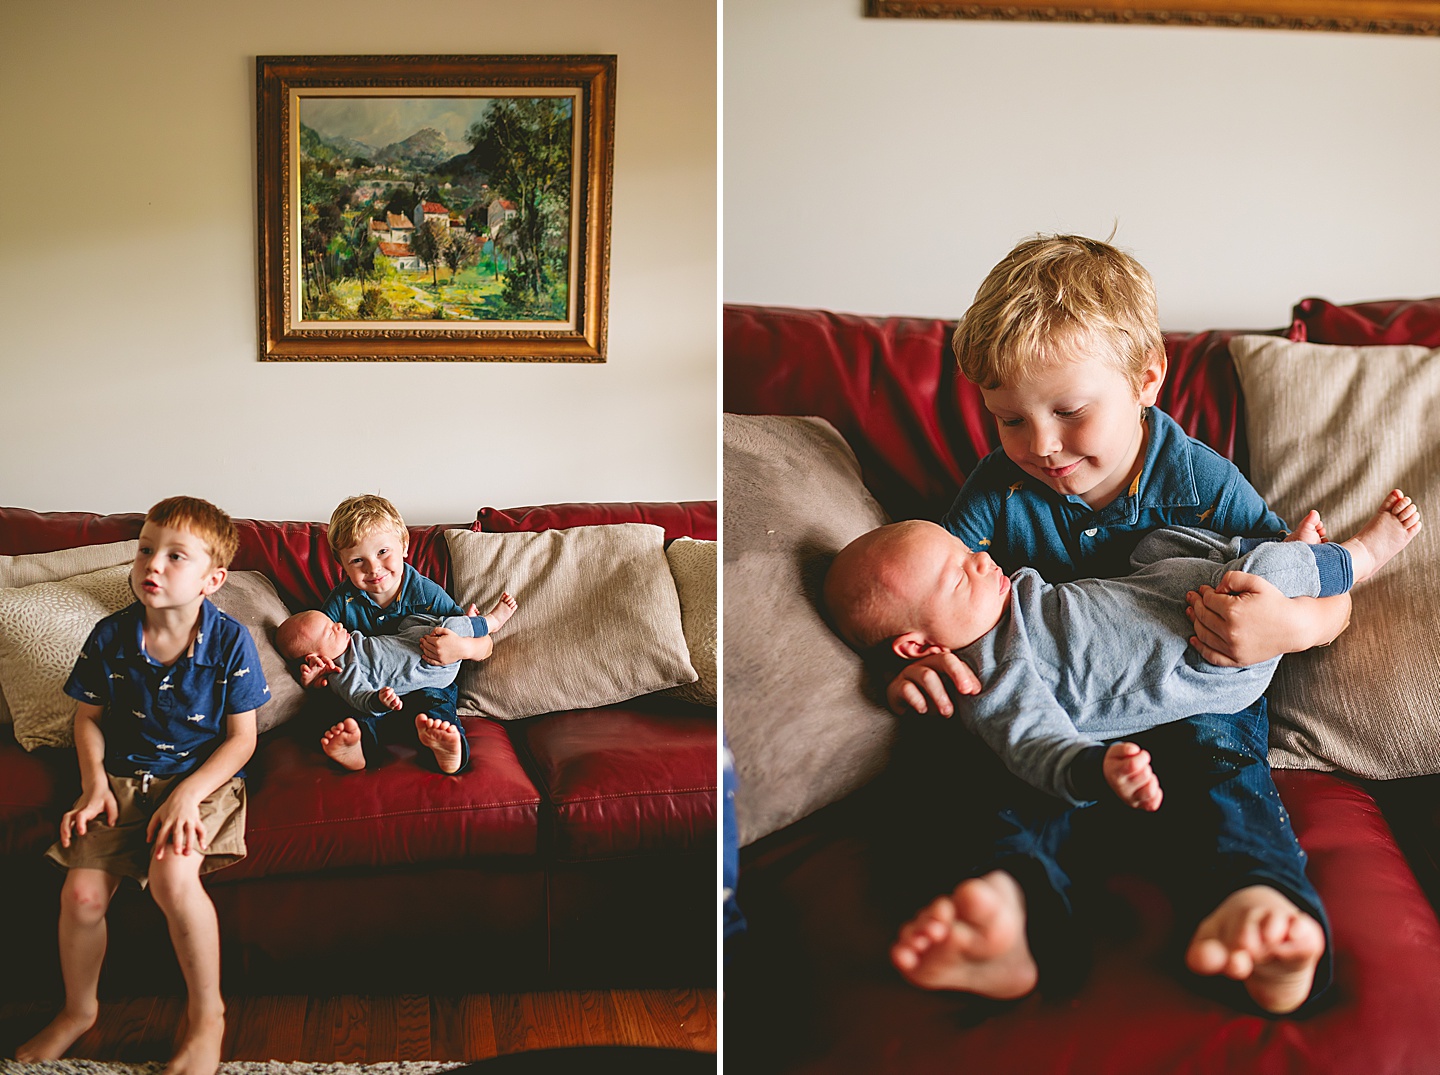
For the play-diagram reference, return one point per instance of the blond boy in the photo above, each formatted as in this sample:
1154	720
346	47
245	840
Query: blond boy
167	690
1063	340
370	540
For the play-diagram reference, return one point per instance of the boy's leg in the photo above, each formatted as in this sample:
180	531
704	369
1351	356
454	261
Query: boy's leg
1232	844
993	823
195	933
84	900
439	734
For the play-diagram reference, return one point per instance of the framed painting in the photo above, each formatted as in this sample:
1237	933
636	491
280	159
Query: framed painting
434	207
1362	16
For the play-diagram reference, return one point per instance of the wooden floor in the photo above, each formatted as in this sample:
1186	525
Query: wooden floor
371	1029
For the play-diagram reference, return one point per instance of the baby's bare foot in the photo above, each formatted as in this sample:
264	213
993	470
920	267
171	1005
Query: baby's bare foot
59	1034
341	745
498	616
1311	530
1389	530
972	940
1127	771
1259	937
443	739
199	1050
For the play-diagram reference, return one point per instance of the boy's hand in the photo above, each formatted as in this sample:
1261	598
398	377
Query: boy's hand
315	670
389	699
1127	771
1243	621
87	808
921	684
177	826
444	646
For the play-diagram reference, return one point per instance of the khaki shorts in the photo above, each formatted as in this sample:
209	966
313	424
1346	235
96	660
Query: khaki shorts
122	850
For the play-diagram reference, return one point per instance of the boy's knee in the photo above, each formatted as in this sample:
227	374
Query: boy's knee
85	899
173	880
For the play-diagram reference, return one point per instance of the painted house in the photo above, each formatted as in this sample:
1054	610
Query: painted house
400	228
427	211
400	255
501	210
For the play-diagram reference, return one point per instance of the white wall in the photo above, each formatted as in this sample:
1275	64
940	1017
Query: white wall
129	360
882	166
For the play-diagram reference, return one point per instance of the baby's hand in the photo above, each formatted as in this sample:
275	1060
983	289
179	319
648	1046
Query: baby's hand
1127	771
921	684
389	699
315	670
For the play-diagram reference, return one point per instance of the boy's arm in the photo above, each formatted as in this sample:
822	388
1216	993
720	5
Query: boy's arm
96	798
1245	620
176	825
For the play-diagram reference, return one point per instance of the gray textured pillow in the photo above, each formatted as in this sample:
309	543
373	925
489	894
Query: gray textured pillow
598	623
1336	428
250	597
693	563
799	720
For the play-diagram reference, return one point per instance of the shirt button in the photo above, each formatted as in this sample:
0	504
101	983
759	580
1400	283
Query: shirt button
1092	532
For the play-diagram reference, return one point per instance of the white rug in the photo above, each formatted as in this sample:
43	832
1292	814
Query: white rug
232	1067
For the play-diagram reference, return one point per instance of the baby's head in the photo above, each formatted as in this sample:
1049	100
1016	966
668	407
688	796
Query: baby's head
914	588
311	632
1064	343
369	539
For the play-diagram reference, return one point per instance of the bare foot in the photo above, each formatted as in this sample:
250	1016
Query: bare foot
199	1050
1311	530
55	1040
443	739
1388	531
498	616
341	745
972	940
1127	771
1259	937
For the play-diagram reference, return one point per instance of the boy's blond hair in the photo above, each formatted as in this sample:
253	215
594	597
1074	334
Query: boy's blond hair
204	520
1053	292
359	516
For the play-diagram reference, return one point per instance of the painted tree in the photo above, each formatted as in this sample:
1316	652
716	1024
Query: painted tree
429	243
531	139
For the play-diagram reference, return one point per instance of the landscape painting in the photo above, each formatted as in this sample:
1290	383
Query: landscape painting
434	207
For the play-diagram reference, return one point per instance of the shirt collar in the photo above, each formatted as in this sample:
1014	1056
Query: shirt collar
204	650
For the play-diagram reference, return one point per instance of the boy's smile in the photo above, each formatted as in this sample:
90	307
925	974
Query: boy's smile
1076	425
173	568
376	565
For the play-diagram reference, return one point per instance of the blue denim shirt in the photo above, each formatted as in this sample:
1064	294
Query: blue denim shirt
1021	522
166	720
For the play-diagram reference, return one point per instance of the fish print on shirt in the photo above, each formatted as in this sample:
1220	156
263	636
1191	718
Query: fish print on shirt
241	672
164	746
137	713
1015	487
195	718
92	696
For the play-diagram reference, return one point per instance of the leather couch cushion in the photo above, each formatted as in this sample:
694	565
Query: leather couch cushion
35	789
1413	321
305	814
810	987
628	780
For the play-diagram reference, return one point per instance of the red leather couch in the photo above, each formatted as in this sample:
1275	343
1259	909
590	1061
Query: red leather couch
579	848
808	988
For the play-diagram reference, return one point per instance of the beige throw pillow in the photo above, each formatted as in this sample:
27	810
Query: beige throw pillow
27	569
598	622
693	563
799	713
42	628
250	597
1336	428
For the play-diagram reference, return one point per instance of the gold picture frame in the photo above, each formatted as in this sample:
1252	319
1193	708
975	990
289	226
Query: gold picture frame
436	208
1353	16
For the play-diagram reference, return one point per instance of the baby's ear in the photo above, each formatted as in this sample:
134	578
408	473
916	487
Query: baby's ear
912	645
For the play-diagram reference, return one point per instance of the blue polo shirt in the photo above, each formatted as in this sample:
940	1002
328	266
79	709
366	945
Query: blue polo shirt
166	720
1021	522
356	610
